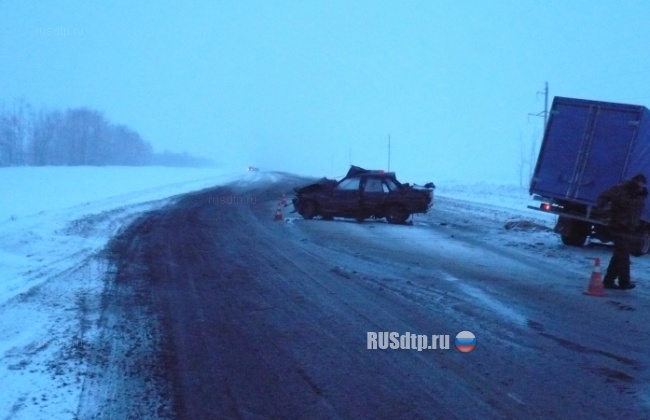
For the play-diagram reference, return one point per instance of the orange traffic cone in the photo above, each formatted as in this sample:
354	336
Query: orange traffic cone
595	287
283	200
278	213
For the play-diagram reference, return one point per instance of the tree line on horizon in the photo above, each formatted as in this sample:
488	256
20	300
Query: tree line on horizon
76	137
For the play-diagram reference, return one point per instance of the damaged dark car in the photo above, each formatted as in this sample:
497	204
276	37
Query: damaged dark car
363	194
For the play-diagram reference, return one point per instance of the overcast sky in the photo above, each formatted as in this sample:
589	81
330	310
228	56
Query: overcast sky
310	86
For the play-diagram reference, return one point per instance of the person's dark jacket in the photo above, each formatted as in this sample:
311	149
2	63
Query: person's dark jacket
625	202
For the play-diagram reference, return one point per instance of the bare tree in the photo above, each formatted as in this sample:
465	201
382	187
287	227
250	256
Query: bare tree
78	136
15	129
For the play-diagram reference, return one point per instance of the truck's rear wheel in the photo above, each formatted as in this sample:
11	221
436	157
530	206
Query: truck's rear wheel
574	239
573	232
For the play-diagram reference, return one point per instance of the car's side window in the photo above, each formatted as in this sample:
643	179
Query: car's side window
373	185
389	185
349	184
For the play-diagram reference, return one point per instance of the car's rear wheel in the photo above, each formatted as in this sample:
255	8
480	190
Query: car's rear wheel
396	215
308	209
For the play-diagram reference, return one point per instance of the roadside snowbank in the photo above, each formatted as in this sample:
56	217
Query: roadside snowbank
54	222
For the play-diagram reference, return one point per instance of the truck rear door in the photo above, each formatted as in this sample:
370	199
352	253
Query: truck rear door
585	150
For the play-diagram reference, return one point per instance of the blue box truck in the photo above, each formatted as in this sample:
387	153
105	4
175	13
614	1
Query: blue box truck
589	146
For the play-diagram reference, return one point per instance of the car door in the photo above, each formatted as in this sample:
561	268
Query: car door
373	194
345	196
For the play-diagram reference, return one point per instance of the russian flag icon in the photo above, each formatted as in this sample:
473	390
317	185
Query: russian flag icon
465	341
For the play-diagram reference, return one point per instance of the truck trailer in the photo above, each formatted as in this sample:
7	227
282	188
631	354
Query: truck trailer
589	146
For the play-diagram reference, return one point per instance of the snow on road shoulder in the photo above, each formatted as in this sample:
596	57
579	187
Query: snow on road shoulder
499	215
500	195
37	190
53	215
54	224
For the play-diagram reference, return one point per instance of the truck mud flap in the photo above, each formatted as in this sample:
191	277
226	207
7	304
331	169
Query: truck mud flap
563	226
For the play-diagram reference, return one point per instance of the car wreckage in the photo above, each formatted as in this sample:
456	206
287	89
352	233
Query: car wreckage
363	194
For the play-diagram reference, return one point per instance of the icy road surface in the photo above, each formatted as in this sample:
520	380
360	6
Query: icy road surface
214	310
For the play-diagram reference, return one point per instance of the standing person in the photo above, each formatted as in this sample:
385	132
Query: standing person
626	202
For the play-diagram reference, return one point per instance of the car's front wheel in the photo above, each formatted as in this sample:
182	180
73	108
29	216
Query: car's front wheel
396	214
308	209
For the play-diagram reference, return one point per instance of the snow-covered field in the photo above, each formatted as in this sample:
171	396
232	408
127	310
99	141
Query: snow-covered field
54	223
508	196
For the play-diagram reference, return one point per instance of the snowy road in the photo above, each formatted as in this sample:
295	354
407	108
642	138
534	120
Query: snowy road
218	311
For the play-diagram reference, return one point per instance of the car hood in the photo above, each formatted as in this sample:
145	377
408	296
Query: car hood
322	184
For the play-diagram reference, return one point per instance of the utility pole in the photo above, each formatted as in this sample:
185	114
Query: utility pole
544	114
545	104
388	153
